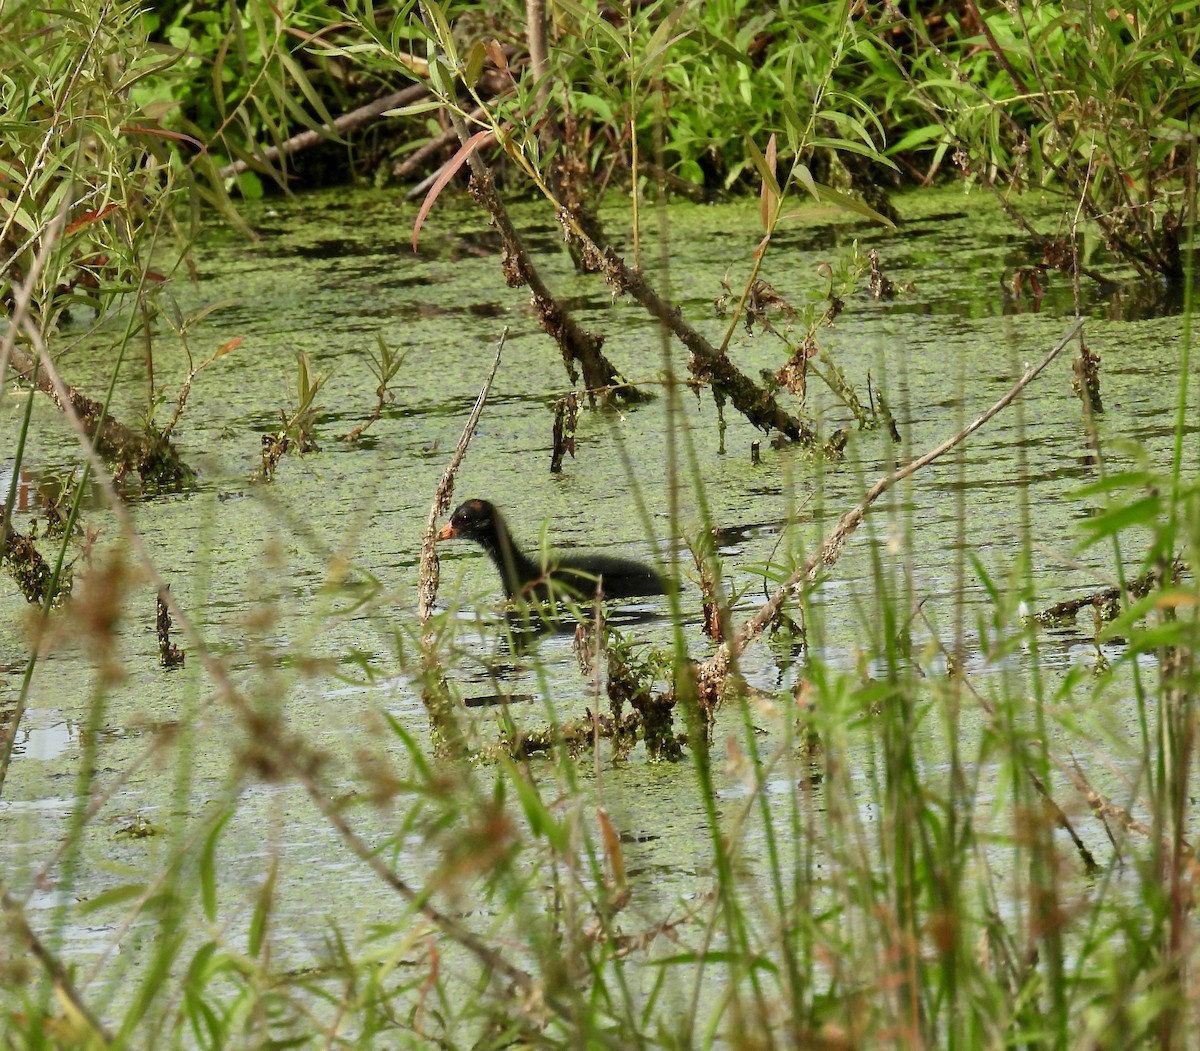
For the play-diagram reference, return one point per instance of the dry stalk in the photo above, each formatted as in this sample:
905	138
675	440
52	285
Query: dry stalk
427	578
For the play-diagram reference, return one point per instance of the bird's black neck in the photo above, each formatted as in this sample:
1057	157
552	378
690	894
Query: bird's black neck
517	569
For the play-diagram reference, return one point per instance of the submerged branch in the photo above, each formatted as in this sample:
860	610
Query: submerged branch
153	456
1107	601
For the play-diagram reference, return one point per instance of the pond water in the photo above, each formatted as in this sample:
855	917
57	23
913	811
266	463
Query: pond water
278	577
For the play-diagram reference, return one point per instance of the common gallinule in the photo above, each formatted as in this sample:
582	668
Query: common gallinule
577	575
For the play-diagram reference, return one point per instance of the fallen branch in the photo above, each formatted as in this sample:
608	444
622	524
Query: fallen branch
1107	601
577	344
713	673
708	363
346	122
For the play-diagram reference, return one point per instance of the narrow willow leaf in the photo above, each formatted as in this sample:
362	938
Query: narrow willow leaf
208	867
541	821
591	20
662	41
1143	512
723	47
442	28
1135	481
806	180
112	896
474	65
850	204
300	79
916	137
261	919
444	176
415	108
758	963
850	146
764	169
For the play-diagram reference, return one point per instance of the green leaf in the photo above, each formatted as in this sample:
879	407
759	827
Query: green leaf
801	172
541	821
850	204
917	137
659	42
113	896
1135	480
415	752
591	20
850	146
587	102
1143	512
757	963
250	186
474	66
261	919
764	169
442	28
722	46
415	108
208	867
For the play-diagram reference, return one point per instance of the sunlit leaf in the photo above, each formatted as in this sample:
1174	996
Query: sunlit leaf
441	28
416	108
849	204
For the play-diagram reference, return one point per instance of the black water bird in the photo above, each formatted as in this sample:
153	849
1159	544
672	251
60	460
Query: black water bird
576	575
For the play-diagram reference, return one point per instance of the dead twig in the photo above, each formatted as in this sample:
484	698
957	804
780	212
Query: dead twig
427	578
714	671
